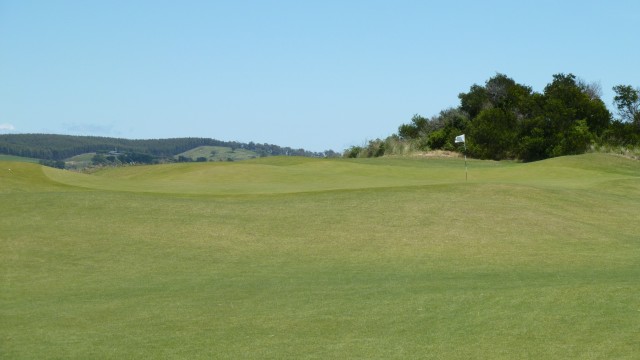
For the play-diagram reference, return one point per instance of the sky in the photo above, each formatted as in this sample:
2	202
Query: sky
319	75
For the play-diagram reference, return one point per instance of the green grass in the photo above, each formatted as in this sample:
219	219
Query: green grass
86	157
219	153
80	162
18	158
334	258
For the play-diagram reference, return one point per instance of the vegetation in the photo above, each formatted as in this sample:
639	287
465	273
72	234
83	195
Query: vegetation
627	101
217	153
507	120
286	257
53	163
61	147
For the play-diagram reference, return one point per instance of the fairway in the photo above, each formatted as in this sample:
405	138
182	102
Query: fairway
285	257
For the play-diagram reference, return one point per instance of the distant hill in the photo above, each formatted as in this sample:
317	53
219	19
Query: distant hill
218	153
60	147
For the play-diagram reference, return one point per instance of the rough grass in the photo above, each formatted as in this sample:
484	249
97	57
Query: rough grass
80	162
219	153
306	258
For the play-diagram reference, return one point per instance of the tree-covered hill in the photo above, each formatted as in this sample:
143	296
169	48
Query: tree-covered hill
60	147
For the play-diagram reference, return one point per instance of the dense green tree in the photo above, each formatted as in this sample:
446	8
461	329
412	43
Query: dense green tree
533	139
440	139
352	152
569	102
436	132
500	92
453	118
492	134
474	101
414	129
497	109
505	119
445	127
627	102
578	139
621	133
566	103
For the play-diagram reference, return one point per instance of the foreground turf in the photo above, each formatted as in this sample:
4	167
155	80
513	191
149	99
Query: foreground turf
297	258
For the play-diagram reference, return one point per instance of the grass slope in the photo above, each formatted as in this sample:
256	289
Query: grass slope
219	153
80	162
18	158
307	258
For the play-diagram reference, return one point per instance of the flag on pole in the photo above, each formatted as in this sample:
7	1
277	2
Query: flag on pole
461	139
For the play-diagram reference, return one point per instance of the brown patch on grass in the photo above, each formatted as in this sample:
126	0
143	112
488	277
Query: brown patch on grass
433	154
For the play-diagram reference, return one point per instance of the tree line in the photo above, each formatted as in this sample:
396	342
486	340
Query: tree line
507	120
54	148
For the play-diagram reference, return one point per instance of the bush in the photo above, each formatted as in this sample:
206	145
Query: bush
59	164
352	152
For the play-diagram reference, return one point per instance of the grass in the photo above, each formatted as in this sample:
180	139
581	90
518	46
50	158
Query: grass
18	158
80	162
631	152
334	258
219	153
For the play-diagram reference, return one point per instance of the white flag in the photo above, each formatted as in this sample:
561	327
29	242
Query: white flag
459	138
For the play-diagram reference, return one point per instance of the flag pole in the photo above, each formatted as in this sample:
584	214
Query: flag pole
466	176
461	139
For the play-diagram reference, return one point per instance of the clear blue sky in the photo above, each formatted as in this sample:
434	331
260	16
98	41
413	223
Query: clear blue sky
313	74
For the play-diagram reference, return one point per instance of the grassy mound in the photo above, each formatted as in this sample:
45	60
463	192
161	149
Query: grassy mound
323	258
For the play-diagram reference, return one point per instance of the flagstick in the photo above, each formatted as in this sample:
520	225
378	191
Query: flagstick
461	138
466	176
